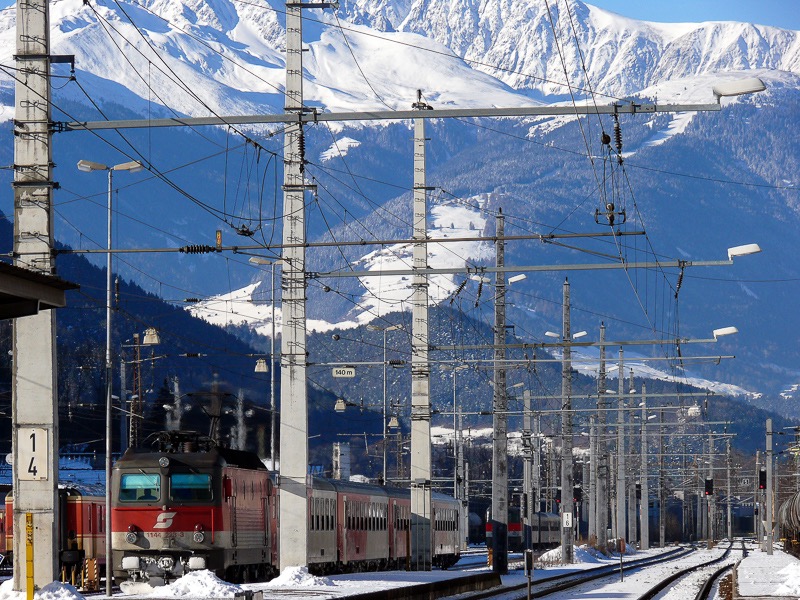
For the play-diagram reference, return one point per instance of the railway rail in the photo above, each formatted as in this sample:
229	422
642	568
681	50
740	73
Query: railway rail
565	581
678	575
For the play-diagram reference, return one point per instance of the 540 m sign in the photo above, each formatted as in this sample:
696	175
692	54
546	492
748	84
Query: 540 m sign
33	454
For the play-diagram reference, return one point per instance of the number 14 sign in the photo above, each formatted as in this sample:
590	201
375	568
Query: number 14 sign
33	454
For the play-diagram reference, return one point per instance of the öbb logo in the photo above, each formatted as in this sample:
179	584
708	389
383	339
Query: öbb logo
164	520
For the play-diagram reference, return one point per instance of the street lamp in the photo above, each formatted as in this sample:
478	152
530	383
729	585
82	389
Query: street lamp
261	363
385	330
132	167
739	87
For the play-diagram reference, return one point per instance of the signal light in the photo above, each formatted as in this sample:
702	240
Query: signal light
709	489
762	479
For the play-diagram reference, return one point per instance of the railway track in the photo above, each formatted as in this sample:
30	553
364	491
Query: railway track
565	581
678	575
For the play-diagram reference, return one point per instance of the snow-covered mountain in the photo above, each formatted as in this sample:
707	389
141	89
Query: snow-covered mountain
227	56
152	58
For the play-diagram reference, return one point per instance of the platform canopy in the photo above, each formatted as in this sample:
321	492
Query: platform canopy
24	293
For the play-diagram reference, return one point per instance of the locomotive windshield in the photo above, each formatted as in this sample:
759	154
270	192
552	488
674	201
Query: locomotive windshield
143	487
189	486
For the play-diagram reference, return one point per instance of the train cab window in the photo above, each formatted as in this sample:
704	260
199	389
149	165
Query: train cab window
140	487
186	487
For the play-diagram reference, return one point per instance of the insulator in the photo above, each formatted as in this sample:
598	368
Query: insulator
192	300
301	144
197	249
480	289
458	291
618	137
679	284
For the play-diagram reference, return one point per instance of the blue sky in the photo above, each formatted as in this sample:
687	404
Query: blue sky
780	13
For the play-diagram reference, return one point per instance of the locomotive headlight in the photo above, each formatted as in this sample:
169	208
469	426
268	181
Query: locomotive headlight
132	535
163	462
198	536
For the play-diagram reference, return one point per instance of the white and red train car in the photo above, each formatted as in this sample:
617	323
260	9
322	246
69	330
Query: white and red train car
81	533
545	530
186	504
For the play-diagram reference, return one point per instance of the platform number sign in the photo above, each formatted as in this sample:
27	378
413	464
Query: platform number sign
566	520
33	454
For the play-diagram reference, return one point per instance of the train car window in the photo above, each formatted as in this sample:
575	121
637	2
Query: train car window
186	487
139	487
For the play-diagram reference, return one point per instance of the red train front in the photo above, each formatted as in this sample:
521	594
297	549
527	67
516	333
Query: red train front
185	504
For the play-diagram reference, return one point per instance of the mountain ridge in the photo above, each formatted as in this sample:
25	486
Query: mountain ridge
356	68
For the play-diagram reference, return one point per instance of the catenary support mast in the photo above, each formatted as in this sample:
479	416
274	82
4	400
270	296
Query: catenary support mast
34	436
499	414
293	541
421	509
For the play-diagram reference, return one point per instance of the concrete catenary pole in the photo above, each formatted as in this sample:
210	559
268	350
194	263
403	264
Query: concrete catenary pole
645	510
769	500
728	516
527	479
621	462
34	435
500	416
293	541
592	528
602	458
567	503
421	510
632	520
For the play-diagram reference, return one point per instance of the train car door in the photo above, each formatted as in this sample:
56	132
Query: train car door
230	498
345	524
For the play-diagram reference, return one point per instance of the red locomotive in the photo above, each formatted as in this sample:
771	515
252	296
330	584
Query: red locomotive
186	504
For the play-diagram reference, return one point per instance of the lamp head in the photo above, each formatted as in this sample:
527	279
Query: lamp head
738	87
724	331
133	166
743	250
87	166
151	337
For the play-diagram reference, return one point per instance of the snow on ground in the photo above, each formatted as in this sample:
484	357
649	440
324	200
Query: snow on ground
52	591
763	575
198	584
293	576
759	574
